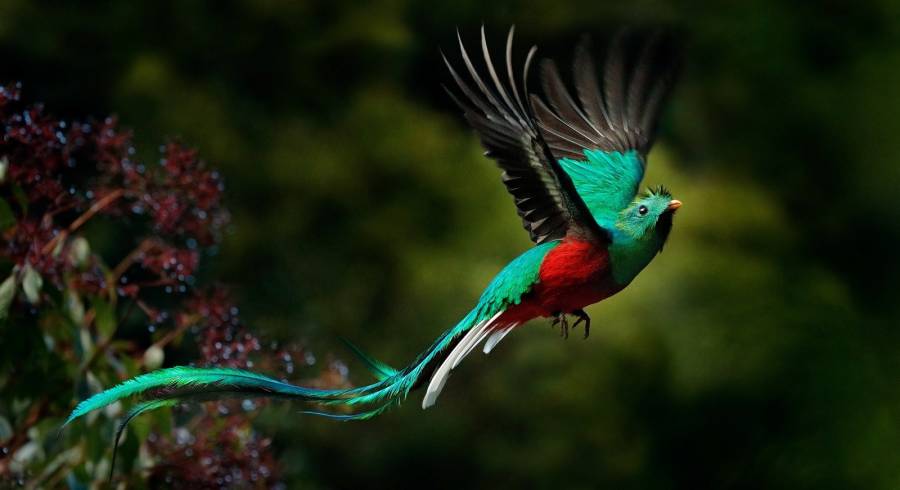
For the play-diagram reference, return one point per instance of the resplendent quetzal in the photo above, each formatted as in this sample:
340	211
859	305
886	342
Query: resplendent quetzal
573	169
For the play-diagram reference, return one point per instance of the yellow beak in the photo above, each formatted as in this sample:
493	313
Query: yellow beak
673	205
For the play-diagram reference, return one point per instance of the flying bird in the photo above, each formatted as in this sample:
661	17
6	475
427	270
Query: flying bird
573	166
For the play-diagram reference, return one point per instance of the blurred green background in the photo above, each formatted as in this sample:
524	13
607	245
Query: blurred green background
760	350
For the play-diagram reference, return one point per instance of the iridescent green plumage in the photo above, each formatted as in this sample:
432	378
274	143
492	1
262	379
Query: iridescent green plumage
606	180
179	383
380	370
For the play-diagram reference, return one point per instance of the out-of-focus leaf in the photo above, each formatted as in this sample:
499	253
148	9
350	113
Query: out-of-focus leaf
96	445
105	317
128	450
31	284
87	343
140	426
74	307
102	467
7	218
6	430
20	406
129	364
25	455
7	293
162	421
154	357
49	342
4	164
79	251
75	479
69	456
58	247
113	410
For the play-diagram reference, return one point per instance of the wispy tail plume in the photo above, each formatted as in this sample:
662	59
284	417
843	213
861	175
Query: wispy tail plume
168	386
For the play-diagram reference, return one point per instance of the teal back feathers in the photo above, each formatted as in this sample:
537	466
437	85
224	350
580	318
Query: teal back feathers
606	181
513	281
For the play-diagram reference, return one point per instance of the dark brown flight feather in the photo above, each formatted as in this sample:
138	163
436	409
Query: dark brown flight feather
618	115
544	195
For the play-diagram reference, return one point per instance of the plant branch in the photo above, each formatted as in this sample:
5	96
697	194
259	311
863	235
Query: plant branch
81	220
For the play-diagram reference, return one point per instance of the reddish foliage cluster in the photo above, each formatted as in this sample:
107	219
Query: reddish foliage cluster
190	204
168	262
89	278
218	452
222	450
25	242
65	173
41	151
55	177
223	339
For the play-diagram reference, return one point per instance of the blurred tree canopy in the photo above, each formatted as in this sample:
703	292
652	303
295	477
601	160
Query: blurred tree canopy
760	350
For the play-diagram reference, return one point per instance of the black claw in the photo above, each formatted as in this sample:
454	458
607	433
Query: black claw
583	317
561	320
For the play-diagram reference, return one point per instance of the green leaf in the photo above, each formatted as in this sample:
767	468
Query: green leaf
163	421
7	293
96	445
79	251
7	218
74	307
140	426
87	343
154	357
67	457
6	430
27	454
31	284
129	364
76	478
57	249
128	452
105	317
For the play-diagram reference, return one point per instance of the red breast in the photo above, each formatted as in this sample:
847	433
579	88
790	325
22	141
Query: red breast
573	275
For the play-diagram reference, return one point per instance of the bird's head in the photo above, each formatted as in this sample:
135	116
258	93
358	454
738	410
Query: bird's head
649	216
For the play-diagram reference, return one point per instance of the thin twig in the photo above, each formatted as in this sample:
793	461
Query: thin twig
129	259
94	209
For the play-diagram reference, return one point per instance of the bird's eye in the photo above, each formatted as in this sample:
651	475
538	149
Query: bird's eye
643	210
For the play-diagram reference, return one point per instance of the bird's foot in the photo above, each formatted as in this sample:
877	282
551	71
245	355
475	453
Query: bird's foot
582	317
563	322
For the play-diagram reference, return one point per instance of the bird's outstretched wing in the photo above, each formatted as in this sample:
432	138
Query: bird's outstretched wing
603	139
545	197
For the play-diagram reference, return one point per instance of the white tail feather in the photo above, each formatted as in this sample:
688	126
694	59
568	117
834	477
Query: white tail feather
472	338
496	337
470	345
